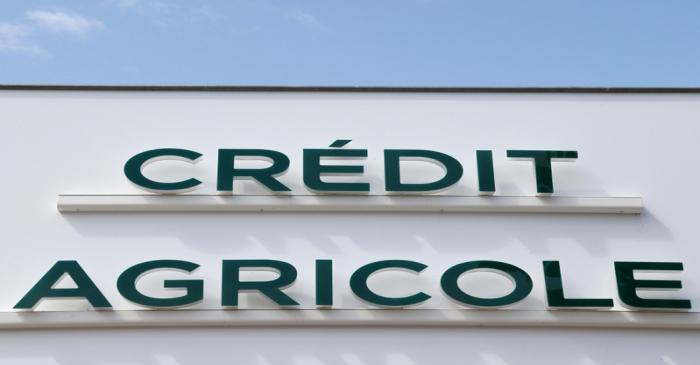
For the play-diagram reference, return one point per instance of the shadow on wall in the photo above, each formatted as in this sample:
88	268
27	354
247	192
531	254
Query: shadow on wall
350	346
335	233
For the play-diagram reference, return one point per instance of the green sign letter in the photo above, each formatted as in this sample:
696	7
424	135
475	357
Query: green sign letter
555	291
627	285
324	283
133	169
227	171
194	288
543	165
231	283
521	280
358	283
392	170
484	167
313	169
85	288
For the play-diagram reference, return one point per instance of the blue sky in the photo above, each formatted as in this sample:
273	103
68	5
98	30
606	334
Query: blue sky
358	42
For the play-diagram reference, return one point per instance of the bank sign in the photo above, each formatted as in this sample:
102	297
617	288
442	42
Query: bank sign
346	165
446	206
314	170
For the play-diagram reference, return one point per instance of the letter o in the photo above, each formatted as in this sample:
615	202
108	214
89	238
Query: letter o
521	280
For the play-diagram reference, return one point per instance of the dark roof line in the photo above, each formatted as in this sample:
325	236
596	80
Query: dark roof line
353	89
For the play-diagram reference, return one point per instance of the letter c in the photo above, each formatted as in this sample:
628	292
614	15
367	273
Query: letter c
358	283
133	169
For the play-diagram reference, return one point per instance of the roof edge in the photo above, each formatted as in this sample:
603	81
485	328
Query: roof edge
352	89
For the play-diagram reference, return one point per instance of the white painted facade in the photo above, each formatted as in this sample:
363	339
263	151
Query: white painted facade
76	142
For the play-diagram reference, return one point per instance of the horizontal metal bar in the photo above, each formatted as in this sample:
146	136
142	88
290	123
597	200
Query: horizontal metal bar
348	203
350	317
354	89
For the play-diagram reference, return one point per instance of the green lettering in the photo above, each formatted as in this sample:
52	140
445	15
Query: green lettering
627	285
486	176
358	283
227	172
126	284
85	288
324	283
543	165
313	169
555	291
231	283
392	170
133	169
521	280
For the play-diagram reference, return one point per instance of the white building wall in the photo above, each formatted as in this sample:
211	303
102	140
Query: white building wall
77	142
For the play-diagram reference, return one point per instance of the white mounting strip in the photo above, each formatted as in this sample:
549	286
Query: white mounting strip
348	203
350	317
